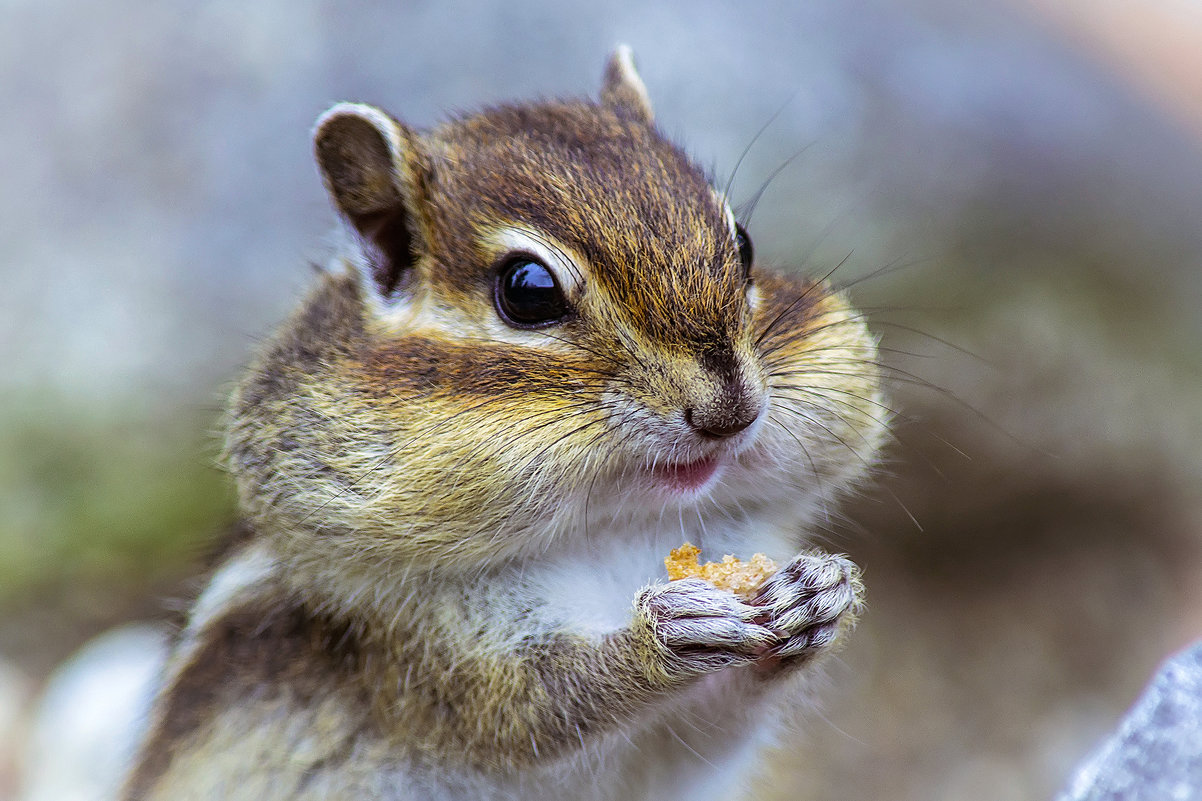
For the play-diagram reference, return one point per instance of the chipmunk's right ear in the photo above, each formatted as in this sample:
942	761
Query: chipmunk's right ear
371	167
623	90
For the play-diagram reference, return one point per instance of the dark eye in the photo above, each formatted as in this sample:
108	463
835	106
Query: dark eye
527	295
743	242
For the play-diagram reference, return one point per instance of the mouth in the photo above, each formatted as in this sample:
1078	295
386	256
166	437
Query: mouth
686	476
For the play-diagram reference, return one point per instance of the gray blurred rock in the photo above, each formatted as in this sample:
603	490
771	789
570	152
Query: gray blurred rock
1156	754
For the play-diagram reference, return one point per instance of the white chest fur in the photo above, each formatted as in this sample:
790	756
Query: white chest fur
590	588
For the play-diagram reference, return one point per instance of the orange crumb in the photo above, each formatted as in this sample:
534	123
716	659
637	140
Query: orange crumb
731	574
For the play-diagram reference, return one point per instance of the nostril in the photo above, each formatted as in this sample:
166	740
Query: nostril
718	428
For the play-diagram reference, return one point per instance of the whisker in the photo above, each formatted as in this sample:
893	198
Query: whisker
897	265
730	181
895	417
375	465
605	357
821	392
556	415
877	323
818	423
805	451
799	300
746	210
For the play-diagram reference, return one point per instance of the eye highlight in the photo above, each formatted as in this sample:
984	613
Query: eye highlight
743	243
527	295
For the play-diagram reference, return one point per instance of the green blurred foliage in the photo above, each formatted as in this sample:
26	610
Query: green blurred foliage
111	502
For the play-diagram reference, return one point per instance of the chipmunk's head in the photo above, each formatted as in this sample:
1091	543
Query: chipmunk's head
545	306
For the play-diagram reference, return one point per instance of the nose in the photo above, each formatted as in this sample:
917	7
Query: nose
712	427
730	412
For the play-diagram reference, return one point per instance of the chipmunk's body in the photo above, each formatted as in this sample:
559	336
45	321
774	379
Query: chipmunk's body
545	361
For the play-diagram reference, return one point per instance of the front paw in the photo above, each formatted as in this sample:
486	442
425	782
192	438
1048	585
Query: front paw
807	603
699	628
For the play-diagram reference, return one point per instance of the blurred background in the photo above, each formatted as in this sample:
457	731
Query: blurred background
1012	187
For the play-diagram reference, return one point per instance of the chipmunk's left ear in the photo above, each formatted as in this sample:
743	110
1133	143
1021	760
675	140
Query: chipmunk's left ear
623	90
372	167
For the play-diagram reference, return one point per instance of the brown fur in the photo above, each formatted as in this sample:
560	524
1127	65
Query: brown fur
253	653
415	471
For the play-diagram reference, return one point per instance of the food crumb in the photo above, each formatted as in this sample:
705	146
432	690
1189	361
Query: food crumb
731	574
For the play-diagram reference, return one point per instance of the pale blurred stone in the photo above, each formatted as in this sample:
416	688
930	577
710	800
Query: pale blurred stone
91	716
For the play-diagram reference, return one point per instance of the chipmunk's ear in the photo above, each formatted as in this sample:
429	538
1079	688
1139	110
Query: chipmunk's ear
371	167
622	89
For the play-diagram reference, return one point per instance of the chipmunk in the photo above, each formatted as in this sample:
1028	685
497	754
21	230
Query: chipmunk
545	357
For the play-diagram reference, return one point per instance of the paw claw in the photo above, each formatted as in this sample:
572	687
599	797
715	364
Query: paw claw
806	602
704	628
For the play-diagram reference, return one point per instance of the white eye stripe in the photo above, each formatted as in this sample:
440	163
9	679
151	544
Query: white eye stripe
559	259
731	223
728	213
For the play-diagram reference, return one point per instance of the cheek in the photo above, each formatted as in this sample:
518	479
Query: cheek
443	371
525	441
820	364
